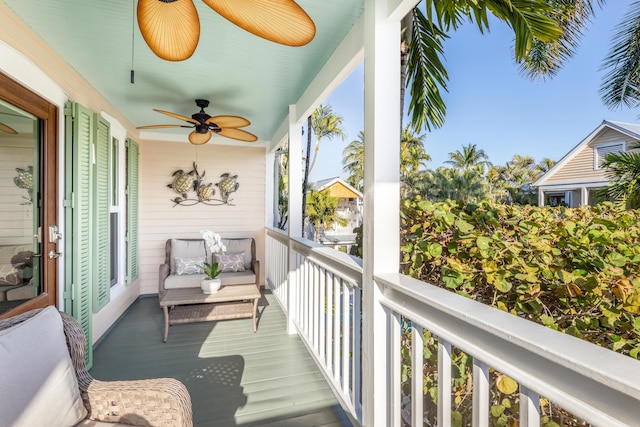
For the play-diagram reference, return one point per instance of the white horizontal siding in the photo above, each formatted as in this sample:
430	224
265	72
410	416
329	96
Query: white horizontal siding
160	220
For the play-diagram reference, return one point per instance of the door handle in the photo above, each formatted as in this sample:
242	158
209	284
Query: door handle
53	254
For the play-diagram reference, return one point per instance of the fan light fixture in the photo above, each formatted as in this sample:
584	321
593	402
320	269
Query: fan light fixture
171	28
204	125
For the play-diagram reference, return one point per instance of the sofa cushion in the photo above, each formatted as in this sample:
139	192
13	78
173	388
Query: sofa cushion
8	275
238	278
193	265
236	246
230	262
186	249
93	423
173	281
38	385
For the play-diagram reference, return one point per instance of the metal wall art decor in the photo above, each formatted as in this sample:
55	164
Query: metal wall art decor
24	180
193	189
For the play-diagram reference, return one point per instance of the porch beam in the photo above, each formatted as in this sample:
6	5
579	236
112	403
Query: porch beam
340	64
398	9
295	210
381	224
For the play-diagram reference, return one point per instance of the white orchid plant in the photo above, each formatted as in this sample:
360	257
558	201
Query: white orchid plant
214	242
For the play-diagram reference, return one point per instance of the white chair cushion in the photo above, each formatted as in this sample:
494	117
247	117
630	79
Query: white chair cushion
38	385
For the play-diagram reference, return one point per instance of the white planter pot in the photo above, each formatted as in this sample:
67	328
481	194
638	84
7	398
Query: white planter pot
210	286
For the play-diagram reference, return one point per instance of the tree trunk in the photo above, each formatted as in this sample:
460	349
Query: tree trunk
305	182
407	27
315	152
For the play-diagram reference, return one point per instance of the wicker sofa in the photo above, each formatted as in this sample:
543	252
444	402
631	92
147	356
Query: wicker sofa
195	249
44	381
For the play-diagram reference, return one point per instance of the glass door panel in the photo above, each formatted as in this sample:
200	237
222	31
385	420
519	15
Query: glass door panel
20	249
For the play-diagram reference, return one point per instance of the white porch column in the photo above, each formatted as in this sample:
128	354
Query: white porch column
295	210
381	244
540	197
584	196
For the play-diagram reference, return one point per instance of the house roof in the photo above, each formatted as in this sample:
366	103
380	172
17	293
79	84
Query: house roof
337	185
238	72
629	129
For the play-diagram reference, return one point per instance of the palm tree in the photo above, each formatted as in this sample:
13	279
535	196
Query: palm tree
412	152
325	124
470	157
623	171
353	162
321	211
413	156
543	167
545	34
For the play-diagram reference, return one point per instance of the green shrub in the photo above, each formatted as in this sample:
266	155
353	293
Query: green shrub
573	270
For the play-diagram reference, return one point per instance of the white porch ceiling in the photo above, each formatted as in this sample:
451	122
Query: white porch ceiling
239	73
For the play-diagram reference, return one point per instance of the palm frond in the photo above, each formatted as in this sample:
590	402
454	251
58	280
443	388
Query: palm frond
427	74
546	58
621	83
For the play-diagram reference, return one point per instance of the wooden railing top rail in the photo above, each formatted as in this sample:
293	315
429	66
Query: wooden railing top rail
596	384
340	263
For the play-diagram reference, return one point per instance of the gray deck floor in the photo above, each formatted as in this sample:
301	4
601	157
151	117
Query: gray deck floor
235	377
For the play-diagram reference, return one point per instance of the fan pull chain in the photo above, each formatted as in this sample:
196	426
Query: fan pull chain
133	32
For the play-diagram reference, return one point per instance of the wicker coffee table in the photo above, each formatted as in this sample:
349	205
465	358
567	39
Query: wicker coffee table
189	305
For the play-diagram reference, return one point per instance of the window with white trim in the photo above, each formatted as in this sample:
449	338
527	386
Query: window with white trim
117	202
601	152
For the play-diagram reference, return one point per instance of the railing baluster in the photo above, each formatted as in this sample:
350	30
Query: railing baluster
417	377
346	307
313	330
444	383
336	328
328	354
529	407
322	332
356	358
395	337
480	394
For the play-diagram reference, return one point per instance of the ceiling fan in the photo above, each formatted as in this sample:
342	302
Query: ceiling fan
6	128
204	125
171	28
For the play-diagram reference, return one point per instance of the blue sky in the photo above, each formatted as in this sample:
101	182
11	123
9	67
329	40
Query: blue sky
491	105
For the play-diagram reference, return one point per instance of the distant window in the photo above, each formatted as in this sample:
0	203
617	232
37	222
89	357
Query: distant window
601	152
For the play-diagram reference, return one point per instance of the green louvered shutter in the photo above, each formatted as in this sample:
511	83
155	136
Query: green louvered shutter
101	224
78	214
133	154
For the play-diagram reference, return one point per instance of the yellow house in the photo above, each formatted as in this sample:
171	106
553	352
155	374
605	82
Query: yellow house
349	208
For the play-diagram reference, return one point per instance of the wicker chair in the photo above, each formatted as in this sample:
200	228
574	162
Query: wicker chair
152	402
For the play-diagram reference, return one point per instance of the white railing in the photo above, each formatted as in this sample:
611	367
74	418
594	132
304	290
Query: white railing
277	264
326	310
592	383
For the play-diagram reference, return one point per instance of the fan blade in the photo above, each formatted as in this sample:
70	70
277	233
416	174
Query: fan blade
163	126
239	134
281	21
228	121
170	28
178	116
7	129
199	138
